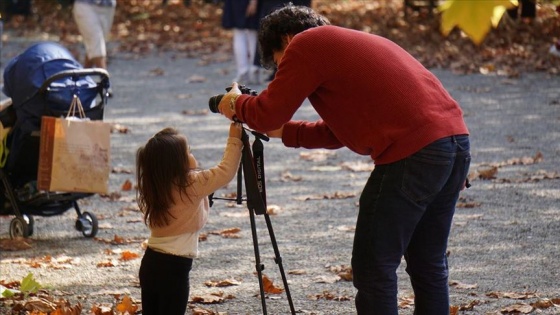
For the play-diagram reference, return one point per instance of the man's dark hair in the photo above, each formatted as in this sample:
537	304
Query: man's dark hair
288	20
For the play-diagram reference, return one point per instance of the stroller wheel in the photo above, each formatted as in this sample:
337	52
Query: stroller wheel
87	224
18	228
30	223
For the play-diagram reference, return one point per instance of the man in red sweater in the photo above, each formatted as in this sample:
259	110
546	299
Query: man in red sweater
377	100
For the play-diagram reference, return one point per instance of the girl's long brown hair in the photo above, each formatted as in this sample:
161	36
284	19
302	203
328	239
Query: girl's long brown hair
162	166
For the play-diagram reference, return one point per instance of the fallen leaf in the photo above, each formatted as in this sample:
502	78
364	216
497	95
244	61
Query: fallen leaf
517	308
190	112
197	79
126	255
269	286
358	166
273	209
297	272
330	296
460	285
222	283
317	155
18	243
289	177
227	233
212	298
119	128
326	279
127	306
126	186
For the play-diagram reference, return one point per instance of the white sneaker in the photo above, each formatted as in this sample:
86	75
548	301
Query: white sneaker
554	51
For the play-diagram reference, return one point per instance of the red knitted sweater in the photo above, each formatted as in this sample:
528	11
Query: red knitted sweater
372	96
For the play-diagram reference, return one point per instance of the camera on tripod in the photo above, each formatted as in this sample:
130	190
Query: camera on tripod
214	101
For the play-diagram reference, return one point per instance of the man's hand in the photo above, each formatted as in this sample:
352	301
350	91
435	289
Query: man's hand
227	104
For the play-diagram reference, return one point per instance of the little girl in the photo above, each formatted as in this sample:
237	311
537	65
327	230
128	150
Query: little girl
173	196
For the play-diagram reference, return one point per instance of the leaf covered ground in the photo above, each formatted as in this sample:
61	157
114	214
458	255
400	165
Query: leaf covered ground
146	26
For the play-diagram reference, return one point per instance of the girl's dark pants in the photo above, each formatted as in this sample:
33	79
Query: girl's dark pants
164	280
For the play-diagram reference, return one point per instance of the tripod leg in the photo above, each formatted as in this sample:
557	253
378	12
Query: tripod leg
278	261
258	264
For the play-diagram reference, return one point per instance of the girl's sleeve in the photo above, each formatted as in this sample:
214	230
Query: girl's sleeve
208	181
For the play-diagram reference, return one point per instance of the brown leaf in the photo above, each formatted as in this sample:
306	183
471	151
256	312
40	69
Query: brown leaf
406	302
126	186
119	128
512	295
15	244
228	233
39	304
222	283
197	79
464	286
330	296
120	170
297	272
342	271
213	298
269	286
289	177
126	255
190	112
488	172
358	166
517	308
317	155
326	279
336	195
127	306
106	263
202	311
273	209
101	310
470	306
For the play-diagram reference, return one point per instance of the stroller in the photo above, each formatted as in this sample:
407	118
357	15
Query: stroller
42	82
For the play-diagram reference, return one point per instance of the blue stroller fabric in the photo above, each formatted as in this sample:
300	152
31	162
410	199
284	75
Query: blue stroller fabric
27	72
23	78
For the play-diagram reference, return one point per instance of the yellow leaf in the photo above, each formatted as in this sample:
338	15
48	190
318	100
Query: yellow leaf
473	17
127	305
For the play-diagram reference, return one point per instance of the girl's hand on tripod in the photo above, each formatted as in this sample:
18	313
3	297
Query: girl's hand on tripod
235	130
275	133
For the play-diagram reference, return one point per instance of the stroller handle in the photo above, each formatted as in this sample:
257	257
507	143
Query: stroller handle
77	73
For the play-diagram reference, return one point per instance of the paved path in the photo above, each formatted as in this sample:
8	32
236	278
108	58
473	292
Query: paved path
506	240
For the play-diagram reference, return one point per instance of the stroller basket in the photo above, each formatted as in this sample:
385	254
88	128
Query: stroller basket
42	81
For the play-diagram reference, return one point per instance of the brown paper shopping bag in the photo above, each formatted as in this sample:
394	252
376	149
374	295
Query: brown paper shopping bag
74	155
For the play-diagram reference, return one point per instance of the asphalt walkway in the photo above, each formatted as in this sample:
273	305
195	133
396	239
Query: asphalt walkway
505	237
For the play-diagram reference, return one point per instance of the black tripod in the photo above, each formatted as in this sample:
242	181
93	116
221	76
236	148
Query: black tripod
252	167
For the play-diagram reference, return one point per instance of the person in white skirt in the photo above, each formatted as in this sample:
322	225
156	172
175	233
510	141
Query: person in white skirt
94	19
241	17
